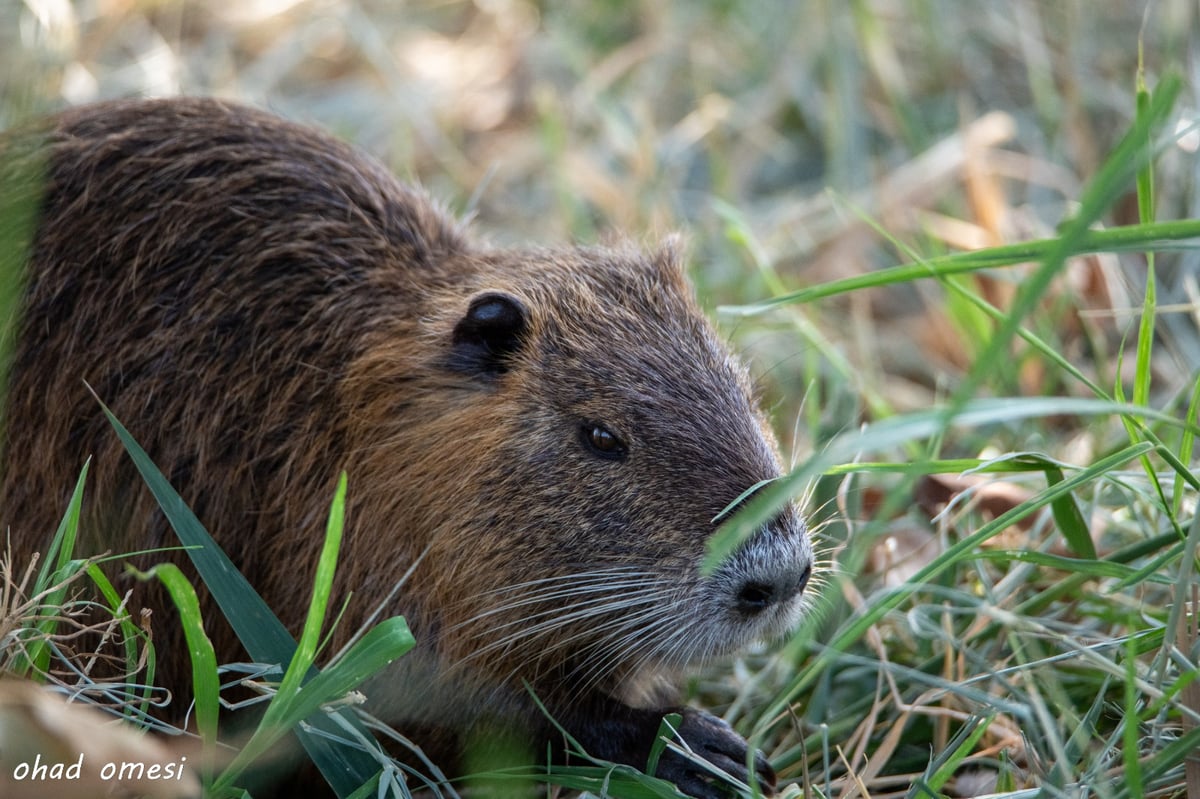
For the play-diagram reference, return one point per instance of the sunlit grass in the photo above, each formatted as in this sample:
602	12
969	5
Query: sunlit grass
972	307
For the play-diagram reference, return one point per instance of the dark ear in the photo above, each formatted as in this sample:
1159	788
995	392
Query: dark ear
488	334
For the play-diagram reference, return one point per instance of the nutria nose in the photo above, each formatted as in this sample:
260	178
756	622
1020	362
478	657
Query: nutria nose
755	596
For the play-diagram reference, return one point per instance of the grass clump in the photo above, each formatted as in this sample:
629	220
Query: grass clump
39	628
1010	635
958	240
44	620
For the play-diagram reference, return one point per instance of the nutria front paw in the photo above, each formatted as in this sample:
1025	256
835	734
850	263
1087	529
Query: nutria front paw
712	739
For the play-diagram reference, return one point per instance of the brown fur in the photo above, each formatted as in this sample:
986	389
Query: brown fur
263	308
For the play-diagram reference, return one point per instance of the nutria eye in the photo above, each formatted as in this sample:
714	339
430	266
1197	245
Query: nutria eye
602	442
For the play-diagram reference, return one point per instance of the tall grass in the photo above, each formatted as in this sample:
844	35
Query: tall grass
1046	645
958	242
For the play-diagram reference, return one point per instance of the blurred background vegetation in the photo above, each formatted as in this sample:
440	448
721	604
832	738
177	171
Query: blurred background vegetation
768	131
794	143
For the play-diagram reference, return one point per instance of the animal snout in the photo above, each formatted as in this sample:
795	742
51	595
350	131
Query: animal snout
772	568
760	593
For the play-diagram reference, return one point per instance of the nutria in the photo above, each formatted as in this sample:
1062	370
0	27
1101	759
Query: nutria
548	434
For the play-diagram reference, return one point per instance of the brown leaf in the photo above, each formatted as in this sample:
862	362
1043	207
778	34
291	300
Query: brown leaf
51	747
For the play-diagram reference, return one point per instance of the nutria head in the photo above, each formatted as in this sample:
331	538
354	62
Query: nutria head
580	427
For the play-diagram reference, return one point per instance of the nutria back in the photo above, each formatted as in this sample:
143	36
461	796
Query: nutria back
547	434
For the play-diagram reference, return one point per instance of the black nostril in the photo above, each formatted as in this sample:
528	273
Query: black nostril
755	597
804	578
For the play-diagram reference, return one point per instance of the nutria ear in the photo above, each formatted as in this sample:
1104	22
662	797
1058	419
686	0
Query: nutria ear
668	256
488	334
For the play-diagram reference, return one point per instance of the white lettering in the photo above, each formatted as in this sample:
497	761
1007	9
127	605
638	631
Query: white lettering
131	769
48	771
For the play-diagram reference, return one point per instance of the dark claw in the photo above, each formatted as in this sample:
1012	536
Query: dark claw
715	741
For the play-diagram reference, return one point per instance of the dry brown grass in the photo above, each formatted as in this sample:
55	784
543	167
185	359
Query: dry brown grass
798	143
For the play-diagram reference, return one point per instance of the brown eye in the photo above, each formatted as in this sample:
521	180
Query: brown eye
601	441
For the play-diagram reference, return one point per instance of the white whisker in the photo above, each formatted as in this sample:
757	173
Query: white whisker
606	587
555	617
599	574
589	604
621	643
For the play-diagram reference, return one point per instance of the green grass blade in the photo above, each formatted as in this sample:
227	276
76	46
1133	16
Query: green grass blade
206	684
1015	462
1145	341
263	635
306	651
130	631
957	552
666	731
962	746
1131	726
1093	569
1157	236
381	645
57	565
1069	519
1187	446
62	548
1145	338
1145	175
896	430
